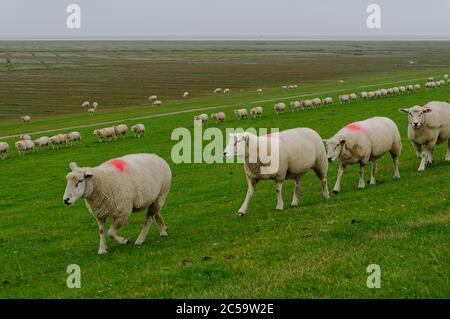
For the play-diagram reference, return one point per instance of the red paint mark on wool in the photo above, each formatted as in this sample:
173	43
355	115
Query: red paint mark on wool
273	135
354	127
118	164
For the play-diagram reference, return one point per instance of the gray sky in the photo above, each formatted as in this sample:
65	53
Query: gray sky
43	19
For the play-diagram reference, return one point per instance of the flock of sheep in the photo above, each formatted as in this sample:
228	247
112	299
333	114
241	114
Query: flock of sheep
112	133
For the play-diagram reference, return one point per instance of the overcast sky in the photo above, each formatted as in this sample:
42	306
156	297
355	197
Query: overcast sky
147	19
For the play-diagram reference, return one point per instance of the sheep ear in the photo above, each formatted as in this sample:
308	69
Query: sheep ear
73	166
342	141
404	110
426	110
88	175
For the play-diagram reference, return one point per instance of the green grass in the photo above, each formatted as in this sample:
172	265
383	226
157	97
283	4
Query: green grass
312	251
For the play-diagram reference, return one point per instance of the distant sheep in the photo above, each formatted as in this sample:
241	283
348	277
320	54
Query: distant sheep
296	105
218	117
119	187
353	97
445	76
105	134
316	101
364	95
91	110
226	91
24	146
429	126
327	101
417	87
185	94
73	137
4	148
241	114
120	130
152	98
307	104
217	90
410	88
371	95
26	118
58	140
43	141
256	111
361	142
259	91
95	105
202	117
138	130
344	98
25	137
85	104
430	79
279	107
157	103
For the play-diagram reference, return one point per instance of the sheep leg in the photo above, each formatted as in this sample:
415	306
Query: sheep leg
322	175
361	183
297	188
115	226
447	156
417	148
147	223
250	190
279	189
373	173
430	156
426	153
396	169
101	229
161	225
337	186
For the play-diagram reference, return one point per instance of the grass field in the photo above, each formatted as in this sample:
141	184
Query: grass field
312	251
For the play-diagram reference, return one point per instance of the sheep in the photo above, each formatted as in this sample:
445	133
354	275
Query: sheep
430	79
58	140
341	82
43	141
73	137
448	82
429	85
371	95
256	111
445	76
4	148
279	107
241	113
91	110
95	105
217	90
402	89
120	130
383	92
295	105
429	125
344	98
226	91
438	84
202	117
416	87
157	103
259	91
119	187
218	117
364	95
390	91
85	104
353	97
361	142
293	152
327	101
396	90
152	98
105	134
284	87
316	101
138	130
25	137
185	94
307	103
26	118
24	146
410	88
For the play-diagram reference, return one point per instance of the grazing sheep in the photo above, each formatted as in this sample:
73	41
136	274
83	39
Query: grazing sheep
217	90
4	148
120	130
185	94
279	107
24	146
256	111
259	91
138	130
73	137
58	140
327	101
371	95
396	90
218	117
298	151
202	117
361	142
43	141
91	110
390	91
152	98
353	97
429	126
85	104
284	87
417	87
364	95
344	98
226	91
26	118
430	79
307	104
25	137
241	113
316	101
402	89
157	103
438	84
105	134
119	187
383	92
295	105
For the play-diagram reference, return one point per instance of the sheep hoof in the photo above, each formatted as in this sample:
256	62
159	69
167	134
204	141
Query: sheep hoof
294	204
102	252
240	214
138	242
163	234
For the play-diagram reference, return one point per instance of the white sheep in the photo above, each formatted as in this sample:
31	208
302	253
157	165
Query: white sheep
105	134
43	141
344	98
390	91
383	92
25	137
95	105
119	187
296	105
24	146
4	148
85	104
430	79
402	89
353	97
91	110
138	130
316	101
240	114
396	90
445	76
256	111
73	137
361	142
417	87
279	107
202	117
218	117
371	95
226	91
327	101
58	140
259	91
152	98
26	118
292	153
185	94
410	88
307	104
120	130
429	126
217	90
364	95
157	103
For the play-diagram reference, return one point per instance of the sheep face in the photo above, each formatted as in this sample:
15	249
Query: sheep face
416	115
76	184
334	148
236	145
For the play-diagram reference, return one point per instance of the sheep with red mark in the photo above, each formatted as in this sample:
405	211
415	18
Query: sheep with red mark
119	187
105	134
429	125
120	130
361	142
24	146
4	148
138	130
279	156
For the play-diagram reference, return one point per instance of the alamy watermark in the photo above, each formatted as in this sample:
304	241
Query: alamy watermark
74	278
374	19
374	278
73	20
